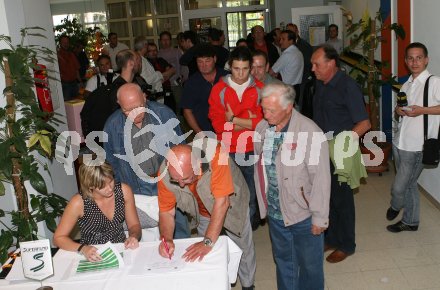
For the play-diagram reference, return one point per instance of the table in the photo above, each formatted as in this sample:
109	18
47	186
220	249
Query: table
216	272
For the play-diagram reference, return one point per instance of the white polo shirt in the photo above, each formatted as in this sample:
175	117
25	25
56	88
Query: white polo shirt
409	136
290	65
113	51
92	83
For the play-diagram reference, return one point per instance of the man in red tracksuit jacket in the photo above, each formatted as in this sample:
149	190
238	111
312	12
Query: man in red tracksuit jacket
234	110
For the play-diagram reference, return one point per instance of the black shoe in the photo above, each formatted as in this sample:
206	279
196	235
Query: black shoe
392	214
248	288
400	226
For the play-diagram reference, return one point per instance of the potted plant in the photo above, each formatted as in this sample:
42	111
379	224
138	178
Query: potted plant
365	37
91	38
27	143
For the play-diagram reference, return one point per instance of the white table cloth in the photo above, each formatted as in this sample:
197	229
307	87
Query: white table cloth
216	272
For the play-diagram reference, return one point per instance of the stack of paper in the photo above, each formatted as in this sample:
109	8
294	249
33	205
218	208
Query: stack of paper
110	259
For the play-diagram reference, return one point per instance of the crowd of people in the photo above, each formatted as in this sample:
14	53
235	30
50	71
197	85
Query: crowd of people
266	114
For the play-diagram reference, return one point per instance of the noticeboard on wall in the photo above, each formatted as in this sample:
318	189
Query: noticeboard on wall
313	22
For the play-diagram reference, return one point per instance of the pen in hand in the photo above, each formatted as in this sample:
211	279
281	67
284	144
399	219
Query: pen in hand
167	249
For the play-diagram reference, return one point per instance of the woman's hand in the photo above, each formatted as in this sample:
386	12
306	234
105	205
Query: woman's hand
91	253
131	243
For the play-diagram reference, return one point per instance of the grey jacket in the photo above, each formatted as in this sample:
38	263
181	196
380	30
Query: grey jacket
239	200
303	172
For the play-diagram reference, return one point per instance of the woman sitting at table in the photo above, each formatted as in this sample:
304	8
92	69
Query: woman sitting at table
100	210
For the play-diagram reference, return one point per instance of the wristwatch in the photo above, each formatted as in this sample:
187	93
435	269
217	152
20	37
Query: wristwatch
208	242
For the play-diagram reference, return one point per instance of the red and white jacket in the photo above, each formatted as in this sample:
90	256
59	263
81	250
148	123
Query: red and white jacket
221	94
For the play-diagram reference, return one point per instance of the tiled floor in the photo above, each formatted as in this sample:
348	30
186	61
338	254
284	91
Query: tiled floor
383	260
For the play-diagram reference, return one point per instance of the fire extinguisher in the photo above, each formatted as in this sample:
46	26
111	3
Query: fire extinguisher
42	87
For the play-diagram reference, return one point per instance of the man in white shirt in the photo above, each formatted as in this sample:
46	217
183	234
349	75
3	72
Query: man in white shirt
291	62
100	79
113	48
333	40
408	141
151	76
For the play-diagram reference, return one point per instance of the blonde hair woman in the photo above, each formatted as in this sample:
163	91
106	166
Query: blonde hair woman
100	209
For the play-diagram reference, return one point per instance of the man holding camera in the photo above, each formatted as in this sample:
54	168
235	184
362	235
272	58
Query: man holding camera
408	143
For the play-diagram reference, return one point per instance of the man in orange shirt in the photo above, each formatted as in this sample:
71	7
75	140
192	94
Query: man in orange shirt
215	195
69	69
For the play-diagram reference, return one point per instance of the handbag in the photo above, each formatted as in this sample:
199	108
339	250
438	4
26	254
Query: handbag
431	146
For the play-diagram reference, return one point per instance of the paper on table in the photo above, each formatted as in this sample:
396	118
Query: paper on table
149	261
110	259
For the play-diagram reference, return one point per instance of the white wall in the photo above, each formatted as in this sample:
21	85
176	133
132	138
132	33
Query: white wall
15	15
424	30
283	9
58	7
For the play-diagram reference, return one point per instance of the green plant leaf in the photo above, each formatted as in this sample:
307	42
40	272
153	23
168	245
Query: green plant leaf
37	182
46	144
20	145
6	240
50	223
33	140
35	203
2	190
25	230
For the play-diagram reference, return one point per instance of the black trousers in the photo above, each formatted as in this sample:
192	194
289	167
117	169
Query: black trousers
341	231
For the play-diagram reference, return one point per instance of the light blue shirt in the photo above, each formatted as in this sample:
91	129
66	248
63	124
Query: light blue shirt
290	65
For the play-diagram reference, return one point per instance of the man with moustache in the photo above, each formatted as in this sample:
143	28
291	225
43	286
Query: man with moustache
338	106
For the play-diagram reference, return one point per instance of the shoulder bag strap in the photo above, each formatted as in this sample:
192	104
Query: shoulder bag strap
425	104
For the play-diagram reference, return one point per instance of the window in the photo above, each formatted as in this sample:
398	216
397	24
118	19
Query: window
89	19
145	17
241	23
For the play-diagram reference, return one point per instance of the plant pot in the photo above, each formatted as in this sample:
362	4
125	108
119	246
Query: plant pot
385	148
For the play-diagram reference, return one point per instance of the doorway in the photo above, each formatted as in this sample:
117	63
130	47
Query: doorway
241	23
235	18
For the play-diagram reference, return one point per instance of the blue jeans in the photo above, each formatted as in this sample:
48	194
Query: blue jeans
298	255
404	191
181	230
248	174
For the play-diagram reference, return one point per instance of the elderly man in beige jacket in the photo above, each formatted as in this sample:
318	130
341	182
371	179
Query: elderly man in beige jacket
292	178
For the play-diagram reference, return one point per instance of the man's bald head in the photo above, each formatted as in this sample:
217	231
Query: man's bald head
130	97
129	91
181	164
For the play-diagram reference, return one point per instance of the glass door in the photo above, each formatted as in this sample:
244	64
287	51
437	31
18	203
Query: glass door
201	26
241	23
234	17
